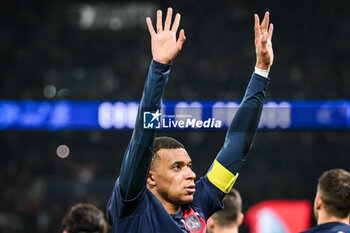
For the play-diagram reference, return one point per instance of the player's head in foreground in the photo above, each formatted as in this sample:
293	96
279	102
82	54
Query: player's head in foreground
230	218
332	201
84	218
171	178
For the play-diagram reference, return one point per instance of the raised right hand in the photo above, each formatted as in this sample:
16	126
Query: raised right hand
165	47
263	44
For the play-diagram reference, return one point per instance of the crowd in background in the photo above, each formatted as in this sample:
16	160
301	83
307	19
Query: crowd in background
40	46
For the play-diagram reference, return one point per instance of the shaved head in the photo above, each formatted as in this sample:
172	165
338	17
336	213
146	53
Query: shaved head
334	189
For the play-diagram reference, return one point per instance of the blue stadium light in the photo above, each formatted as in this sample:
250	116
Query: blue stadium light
121	115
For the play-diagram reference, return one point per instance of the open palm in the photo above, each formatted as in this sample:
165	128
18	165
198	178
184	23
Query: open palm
165	47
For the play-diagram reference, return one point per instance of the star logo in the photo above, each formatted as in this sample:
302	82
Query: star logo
156	115
151	120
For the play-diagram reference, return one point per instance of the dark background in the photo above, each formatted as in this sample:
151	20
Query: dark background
41	44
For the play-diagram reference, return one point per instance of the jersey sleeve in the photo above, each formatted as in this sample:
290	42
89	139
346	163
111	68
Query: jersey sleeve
207	197
138	155
239	138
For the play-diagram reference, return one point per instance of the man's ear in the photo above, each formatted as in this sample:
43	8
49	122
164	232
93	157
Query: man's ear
318	202
240	219
150	179
210	224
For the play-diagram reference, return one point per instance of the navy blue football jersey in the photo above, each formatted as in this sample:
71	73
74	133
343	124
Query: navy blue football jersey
146	214
133	208
331	227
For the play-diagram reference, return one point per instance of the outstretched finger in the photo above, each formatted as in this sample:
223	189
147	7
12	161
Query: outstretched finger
270	31
159	21
181	39
265	22
150	26
176	23
168	19
256	26
264	39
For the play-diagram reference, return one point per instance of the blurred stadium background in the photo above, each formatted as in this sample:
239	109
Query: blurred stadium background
100	50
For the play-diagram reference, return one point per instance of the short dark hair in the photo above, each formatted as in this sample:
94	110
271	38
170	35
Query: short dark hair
232	208
334	190
84	218
164	143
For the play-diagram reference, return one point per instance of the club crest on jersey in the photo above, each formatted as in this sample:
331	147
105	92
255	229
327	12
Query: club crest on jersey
193	223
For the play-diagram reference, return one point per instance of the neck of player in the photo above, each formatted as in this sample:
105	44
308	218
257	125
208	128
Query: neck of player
169	207
325	218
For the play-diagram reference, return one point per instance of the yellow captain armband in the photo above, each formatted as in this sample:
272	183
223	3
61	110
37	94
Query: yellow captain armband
221	177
